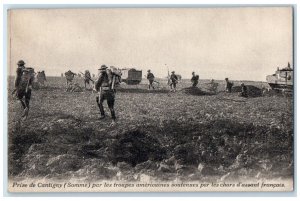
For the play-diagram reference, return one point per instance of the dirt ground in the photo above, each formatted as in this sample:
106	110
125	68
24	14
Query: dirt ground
165	135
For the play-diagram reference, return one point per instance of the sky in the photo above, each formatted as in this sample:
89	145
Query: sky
239	43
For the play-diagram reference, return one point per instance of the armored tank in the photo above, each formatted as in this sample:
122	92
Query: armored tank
131	76
282	79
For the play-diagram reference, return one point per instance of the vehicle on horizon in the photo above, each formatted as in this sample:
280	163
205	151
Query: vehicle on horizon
131	76
282	79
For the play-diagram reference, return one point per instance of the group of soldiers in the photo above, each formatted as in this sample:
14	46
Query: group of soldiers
104	85
75	87
172	80
229	85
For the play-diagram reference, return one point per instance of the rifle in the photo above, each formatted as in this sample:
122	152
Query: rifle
87	77
113	82
168	77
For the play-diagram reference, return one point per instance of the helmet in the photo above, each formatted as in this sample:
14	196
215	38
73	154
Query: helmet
21	63
103	67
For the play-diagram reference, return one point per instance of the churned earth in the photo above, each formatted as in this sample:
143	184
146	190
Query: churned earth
192	134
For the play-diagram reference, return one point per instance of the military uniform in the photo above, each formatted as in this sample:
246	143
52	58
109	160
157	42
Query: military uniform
174	81
195	79
228	85
104	86
150	77
19	73
69	76
87	78
23	85
244	92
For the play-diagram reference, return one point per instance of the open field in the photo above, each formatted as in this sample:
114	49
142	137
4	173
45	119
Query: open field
160	134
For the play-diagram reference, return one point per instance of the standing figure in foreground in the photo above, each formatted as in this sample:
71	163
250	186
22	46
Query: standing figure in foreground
150	78
105	86
174	81
23	85
228	85
195	79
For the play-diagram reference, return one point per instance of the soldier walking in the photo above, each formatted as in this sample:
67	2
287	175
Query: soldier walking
174	81
23	85
195	79
150	78
105	86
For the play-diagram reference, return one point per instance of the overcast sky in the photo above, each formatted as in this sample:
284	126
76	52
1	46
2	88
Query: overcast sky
239	43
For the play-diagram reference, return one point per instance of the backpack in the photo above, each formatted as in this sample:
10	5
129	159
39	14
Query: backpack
27	77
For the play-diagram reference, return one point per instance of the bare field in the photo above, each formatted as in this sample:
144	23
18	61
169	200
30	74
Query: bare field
160	134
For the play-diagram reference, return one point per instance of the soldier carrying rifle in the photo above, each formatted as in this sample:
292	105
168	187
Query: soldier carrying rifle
174	81
87	78
104	85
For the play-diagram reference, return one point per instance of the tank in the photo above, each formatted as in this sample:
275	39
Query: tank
282	79
131	76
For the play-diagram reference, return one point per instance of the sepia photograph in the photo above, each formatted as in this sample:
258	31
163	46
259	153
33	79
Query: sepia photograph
195	99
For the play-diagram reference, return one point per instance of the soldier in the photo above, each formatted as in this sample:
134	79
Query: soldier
244	92
41	77
105	86
228	86
195	79
69	77
174	81
150	77
213	86
87	78
20	68
23	85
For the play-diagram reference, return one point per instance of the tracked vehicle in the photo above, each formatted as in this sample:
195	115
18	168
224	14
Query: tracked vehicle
282	79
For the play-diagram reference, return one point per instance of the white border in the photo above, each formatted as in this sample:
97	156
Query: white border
147	2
